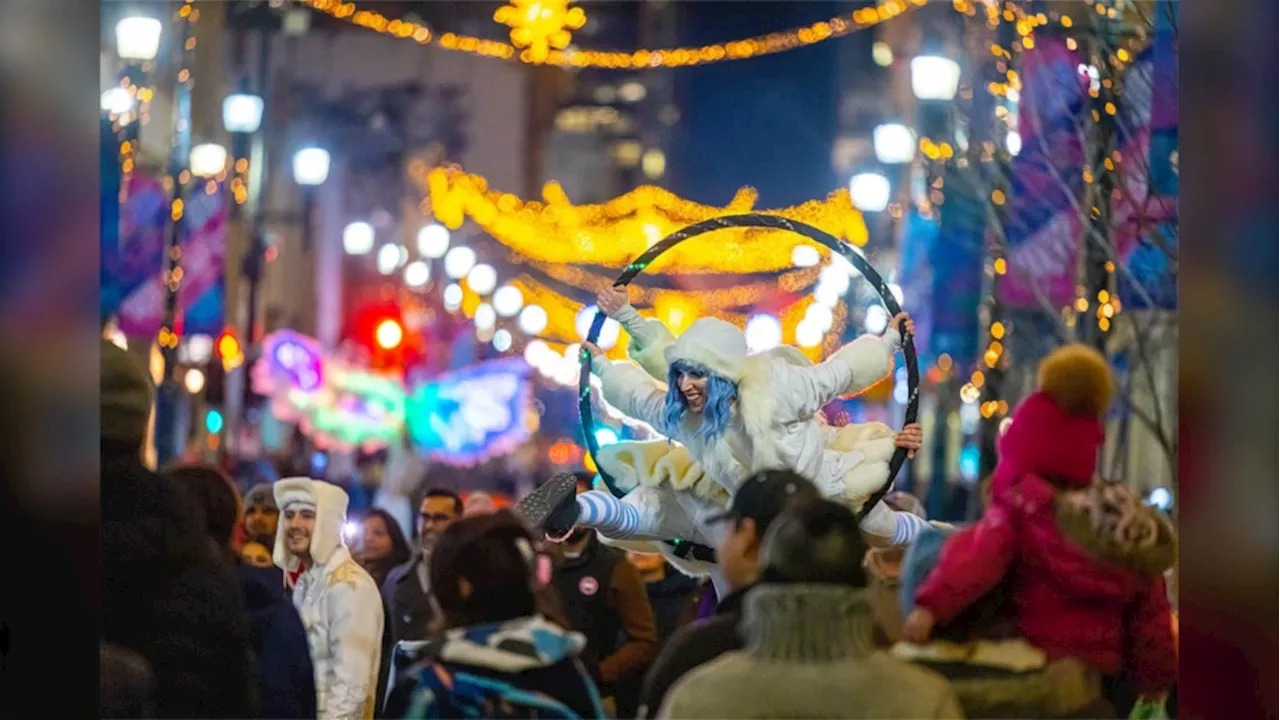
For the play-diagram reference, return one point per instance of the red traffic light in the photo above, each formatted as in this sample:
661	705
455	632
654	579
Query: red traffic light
228	345
388	334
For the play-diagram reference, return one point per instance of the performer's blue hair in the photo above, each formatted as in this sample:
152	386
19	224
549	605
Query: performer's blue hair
715	414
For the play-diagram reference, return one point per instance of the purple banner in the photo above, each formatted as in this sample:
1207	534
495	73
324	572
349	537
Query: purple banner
1045	225
144	222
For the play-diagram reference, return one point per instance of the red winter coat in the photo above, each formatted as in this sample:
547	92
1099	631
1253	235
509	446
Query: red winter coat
1065	599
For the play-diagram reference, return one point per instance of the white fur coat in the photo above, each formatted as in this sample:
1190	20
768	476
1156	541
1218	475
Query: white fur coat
777	421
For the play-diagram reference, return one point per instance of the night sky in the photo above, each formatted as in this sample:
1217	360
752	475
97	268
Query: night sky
767	122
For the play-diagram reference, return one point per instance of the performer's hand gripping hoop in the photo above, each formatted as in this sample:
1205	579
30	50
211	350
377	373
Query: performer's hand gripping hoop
771	222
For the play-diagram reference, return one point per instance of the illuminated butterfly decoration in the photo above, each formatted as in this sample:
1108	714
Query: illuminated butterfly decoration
338	405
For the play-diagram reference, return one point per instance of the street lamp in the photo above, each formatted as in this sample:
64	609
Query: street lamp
1013	141
357	238
895	143
388	258
138	38
870	191
482	279
459	261
242	113
433	241
207	160
117	101
934	77
311	166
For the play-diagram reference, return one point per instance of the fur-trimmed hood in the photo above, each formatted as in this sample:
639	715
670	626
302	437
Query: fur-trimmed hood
330	503
1110	521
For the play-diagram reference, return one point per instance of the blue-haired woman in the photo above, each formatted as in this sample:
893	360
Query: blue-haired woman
732	413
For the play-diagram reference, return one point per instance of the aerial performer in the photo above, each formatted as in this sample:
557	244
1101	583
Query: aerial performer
728	414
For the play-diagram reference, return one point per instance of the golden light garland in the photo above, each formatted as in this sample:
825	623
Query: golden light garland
725	298
615	233
743	49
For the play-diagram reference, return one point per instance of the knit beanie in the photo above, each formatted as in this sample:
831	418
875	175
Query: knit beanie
260	495
126	397
1057	430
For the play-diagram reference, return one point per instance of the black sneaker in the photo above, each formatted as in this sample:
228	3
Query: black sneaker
553	507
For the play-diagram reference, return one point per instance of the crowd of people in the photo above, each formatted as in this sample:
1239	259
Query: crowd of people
218	603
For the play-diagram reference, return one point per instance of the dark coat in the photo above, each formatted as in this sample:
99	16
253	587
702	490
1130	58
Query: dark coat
672	599
125	684
286	679
169	598
407	608
407	603
690	647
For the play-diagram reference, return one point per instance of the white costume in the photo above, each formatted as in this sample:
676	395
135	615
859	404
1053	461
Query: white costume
339	603
776	423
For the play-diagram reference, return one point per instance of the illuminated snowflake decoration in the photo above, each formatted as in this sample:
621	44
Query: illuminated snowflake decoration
540	25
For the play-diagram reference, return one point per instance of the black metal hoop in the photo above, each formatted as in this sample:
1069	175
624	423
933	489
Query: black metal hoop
772	222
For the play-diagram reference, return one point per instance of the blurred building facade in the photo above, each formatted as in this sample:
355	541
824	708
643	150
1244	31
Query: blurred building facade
608	132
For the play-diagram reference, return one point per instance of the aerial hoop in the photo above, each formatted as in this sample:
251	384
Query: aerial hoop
771	222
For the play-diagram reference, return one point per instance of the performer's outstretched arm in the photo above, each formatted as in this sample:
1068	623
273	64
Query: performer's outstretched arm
849	370
649	338
629	389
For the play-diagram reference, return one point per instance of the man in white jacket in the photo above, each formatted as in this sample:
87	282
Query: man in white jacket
732	414
338	601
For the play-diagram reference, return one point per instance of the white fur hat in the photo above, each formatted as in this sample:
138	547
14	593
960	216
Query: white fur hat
718	345
329	502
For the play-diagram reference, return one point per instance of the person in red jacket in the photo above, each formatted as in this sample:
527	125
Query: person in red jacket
1083	558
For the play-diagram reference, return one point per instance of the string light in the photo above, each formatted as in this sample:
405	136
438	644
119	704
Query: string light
744	295
743	49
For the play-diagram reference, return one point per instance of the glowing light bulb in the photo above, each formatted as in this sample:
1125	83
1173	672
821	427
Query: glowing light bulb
458	262
763	332
452	297
533	319
805	256
482	279
876	320
808	334
507	301
433	241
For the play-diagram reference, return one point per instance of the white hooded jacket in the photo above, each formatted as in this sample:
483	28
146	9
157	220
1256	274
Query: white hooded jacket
339	603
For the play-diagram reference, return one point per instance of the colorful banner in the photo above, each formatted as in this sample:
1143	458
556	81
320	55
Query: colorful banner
1153	83
139	261
1042	228
957	277
919	243
108	219
1045	224
469	416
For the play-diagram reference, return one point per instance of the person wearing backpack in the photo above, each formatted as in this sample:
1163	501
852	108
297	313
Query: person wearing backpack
499	656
